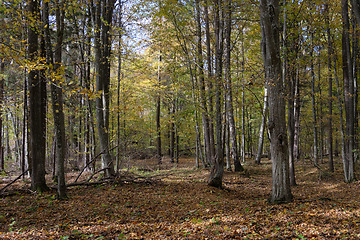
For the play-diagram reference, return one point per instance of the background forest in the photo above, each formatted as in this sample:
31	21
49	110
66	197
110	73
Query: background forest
127	80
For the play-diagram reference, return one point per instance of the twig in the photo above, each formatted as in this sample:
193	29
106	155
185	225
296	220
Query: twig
1	190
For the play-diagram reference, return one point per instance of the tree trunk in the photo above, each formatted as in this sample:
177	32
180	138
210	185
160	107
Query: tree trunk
37	104
330	53
56	92
200	64
2	161
158	112
348	94
217	171
229	98
269	18
262	128
209	58
315	146
103	20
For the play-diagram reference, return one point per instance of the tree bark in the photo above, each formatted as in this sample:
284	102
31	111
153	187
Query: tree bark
217	171
228	85
158	112
204	113
348	95
269	19
2	69
37	104
262	128
315	142
103	20
56	91
209	58
330	79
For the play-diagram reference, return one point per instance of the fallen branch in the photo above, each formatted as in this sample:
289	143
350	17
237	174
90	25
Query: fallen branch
97	173
92	160
87	183
1	190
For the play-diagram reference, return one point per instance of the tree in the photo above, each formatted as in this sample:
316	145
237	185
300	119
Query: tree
56	90
37	103
269	21
348	94
103	22
228	86
216	175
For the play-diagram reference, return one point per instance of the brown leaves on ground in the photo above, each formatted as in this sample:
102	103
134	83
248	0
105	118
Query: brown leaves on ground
182	206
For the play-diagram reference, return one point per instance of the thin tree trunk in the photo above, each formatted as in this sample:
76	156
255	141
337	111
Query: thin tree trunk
2	160
158	108
315	146
262	128
204	114
229	97
330	79
210	83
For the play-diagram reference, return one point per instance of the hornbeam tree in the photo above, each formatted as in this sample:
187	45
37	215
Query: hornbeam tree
37	104
269	20
103	22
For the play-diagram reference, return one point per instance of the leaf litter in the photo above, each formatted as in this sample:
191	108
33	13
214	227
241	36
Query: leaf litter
178	204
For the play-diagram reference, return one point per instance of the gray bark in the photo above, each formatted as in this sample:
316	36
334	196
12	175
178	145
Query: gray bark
56	92
229	98
348	95
217	172
262	128
103	22
269	18
37	105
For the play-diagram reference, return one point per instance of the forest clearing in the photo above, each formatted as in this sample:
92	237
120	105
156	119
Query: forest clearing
247	109
176	203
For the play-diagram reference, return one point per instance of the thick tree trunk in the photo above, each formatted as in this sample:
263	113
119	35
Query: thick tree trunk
349	95
217	171
37	101
269	18
103	20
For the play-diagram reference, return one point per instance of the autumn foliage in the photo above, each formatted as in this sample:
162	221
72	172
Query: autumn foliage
176	203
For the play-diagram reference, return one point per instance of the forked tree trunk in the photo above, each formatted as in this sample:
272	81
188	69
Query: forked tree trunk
269	18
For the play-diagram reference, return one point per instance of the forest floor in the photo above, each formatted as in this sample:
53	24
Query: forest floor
176	203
